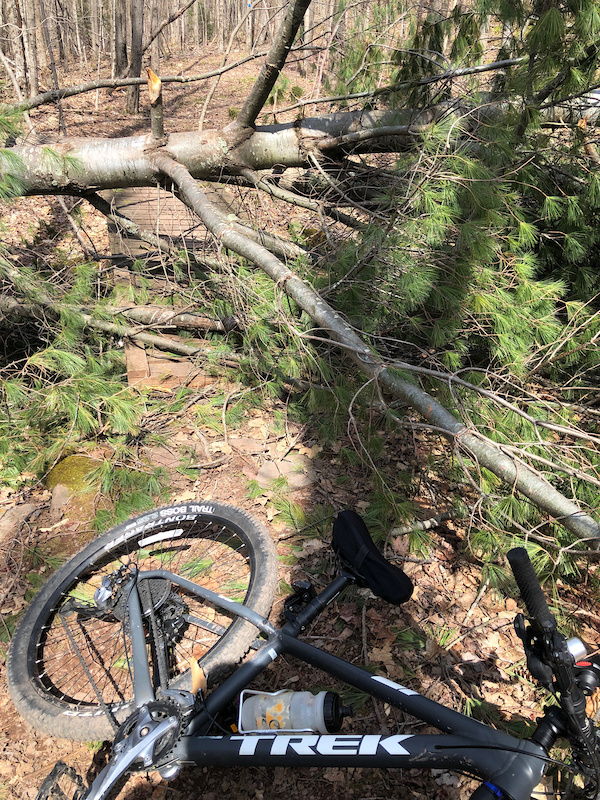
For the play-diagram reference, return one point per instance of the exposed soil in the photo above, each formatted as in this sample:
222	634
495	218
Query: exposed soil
451	642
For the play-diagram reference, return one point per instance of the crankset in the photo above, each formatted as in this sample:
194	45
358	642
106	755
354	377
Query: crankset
140	723
143	740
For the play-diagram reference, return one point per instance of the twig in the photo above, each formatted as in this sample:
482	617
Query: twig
88	253
475	603
213	88
210	464
423	525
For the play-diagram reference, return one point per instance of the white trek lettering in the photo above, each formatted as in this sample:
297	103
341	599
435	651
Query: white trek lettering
249	743
338	745
301	745
310	745
393	746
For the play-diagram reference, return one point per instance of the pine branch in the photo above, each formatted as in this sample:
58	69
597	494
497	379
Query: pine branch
451	378
510	469
9	307
166	317
394	87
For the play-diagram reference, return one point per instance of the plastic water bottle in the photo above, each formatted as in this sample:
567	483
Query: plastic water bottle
291	711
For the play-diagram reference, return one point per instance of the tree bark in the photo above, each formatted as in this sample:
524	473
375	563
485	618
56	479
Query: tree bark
83	165
30	47
119	38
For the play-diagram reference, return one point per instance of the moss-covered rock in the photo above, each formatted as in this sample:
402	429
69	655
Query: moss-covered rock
73	472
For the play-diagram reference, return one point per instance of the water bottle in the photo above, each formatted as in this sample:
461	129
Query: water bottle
291	711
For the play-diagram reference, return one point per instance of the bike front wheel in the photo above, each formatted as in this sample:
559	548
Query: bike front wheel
69	668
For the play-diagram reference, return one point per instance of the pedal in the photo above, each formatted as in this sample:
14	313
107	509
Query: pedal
62	783
304	593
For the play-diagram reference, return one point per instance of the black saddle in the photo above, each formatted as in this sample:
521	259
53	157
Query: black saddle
352	542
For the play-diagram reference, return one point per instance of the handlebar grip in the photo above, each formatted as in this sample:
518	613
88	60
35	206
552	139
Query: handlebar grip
531	590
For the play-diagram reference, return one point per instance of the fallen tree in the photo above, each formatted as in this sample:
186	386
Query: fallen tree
355	193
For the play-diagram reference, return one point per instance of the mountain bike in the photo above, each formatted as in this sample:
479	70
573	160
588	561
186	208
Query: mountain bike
138	639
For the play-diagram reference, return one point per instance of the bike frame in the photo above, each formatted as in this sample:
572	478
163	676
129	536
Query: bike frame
510	768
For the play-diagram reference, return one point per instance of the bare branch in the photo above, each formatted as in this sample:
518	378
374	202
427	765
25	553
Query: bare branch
165	23
302	202
275	60
55	95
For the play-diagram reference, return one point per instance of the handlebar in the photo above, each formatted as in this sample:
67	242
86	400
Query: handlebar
552	664
542	619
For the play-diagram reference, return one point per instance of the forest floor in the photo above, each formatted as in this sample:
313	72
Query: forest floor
453	641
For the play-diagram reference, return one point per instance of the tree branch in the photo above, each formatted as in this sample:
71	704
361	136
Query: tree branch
166	317
511	470
394	87
165	23
11	307
54	95
275	60
302	202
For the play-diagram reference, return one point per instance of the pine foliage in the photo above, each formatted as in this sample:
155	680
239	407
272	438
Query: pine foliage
487	265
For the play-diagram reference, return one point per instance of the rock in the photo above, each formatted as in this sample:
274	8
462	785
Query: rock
10	523
297	469
60	496
73	472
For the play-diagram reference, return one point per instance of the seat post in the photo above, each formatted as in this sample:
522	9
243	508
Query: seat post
315	606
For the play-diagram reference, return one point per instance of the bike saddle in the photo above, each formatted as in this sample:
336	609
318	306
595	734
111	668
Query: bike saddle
352	542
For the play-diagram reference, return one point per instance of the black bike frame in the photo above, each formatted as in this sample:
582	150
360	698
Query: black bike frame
510	767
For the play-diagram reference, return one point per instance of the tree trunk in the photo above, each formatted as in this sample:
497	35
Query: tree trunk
114	163
30	47
119	38
135	55
17	27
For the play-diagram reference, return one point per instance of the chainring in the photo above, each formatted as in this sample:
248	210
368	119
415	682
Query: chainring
159	710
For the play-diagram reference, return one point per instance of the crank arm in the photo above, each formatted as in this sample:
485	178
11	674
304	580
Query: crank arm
138	746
